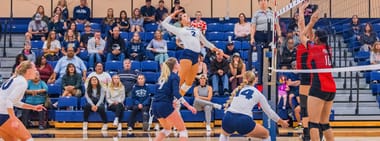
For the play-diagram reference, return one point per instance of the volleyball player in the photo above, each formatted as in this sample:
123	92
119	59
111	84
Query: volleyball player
322	88
191	38
11	93
238	117
162	105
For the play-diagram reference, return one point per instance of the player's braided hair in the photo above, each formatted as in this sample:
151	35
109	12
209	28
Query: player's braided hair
249	78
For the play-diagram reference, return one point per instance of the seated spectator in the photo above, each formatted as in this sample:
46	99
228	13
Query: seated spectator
242	29
159	47
108	21
293	35
71	82
65	12
95	102
177	6
128	77
230	50
136	49
86	35
35	95
58	11
115	98
293	82
237	69
19	59
38	28
104	77
41	11
202	67
166	35
289	53
219	70
60	68
293	24
160	11
55	24
123	22
368	38
115	46
27	51
137	21
45	69
141	102
148	11
95	49
199	23
81	13
283	89
70	41
73	27
375	53
51	47
202	99
355	31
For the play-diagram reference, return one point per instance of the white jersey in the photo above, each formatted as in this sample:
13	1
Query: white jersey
11	93
246	99
191	37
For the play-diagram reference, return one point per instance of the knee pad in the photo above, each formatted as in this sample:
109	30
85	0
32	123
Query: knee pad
183	134
314	125
325	127
165	132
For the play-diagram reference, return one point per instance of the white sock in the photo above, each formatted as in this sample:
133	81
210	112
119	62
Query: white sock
223	137
267	139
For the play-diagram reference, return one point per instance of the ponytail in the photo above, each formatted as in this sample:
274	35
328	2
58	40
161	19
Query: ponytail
23	67
166	69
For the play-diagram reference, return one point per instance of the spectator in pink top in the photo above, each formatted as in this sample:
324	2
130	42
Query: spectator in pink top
199	23
242	28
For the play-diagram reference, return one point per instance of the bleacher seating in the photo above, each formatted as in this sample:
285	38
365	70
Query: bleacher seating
116	66
36	44
151	77
151	66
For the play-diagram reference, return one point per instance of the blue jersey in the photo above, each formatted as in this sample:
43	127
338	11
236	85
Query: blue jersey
168	90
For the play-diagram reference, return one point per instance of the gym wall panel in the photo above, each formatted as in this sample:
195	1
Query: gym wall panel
5	8
375	9
70	5
191	6
347	8
101	7
26	8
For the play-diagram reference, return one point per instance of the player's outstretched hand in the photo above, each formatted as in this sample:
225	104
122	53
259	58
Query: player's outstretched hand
176	12
192	109
39	108
283	123
315	16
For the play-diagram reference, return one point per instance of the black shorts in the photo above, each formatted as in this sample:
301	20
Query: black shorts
3	118
326	96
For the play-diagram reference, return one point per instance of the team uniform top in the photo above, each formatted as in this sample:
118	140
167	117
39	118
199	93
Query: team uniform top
12	92
246	99
189	36
319	58
168	90
301	60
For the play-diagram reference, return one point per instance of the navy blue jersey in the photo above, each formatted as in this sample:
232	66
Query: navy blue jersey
168	90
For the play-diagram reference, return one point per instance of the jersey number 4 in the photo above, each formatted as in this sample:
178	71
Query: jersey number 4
247	93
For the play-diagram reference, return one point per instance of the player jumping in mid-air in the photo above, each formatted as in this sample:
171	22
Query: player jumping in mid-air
11	93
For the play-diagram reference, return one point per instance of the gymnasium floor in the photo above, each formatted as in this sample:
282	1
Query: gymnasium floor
342	134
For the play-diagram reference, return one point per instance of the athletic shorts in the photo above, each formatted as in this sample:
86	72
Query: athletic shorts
294	102
240	123
162	109
326	96
3	118
190	55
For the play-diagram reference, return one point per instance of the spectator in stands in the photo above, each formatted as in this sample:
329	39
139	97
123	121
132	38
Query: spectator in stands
137	21
123	21
242	29
355	31
141	102
85	36
60	68
70	41
375	53
51	47
95	94
108	21
294	82
41	11
73	27
202	67
35	95
219	70
159	47
81	13
293	35
177	6
38	28
160	11
199	23
230	50
57	25
128	77
44	68
115	46
166	35
115	97
65	12
293	24
71	82
28	36
27	51
104	77
368	38
136	49
289	53
19	58
148	12
237	69
95	48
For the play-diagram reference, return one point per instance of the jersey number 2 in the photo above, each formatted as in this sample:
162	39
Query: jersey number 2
193	33
247	93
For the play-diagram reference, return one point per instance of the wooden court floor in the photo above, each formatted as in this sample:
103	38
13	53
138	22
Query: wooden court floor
289	134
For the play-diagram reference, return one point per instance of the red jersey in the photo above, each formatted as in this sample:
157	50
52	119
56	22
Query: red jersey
320	58
301	60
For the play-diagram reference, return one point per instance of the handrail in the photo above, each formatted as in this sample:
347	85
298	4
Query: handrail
357	93
345	73
340	56
5	38
350	97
